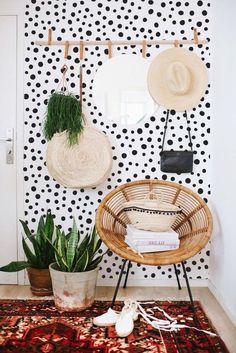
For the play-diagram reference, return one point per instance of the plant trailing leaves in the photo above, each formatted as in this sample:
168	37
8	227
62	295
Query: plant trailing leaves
64	113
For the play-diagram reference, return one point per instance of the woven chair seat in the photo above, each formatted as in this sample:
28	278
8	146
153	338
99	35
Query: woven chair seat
194	224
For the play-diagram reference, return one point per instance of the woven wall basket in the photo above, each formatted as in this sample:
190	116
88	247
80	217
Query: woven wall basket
86	164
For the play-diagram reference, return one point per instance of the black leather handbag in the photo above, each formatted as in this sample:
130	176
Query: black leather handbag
173	161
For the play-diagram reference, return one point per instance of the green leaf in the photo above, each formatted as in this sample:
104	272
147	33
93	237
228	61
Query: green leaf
93	239
82	262
98	245
49	251
61	244
60	250
15	266
74	253
31	237
26	229
47	236
72	246
41	253
32	259
39	249
84	243
93	264
49	225
39	234
40	225
60	263
92	244
50	254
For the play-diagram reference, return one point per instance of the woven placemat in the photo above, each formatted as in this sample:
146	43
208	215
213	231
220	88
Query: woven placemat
85	164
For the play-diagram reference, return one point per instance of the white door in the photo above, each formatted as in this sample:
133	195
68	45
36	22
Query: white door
8	189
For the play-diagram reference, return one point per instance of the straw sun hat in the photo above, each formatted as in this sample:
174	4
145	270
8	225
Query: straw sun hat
85	164
177	79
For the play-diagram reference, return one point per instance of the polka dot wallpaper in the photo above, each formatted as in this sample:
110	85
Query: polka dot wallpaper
135	148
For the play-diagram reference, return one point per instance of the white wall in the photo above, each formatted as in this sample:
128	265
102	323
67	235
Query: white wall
223	250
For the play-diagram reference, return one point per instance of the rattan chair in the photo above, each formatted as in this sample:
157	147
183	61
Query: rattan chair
194	225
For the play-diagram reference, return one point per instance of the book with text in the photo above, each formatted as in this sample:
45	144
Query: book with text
151	248
150	241
135	233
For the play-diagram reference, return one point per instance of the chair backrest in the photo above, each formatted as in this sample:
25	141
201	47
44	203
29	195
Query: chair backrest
194	224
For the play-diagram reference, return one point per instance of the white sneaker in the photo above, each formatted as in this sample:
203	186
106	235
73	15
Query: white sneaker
125	321
107	319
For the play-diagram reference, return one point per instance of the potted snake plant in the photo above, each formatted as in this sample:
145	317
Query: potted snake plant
74	274
39	253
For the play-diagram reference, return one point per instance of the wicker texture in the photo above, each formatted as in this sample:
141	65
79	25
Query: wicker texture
85	164
194	224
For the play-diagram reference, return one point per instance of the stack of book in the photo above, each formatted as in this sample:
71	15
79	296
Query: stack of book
144	241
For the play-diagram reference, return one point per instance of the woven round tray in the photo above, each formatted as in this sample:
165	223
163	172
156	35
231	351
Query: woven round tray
85	164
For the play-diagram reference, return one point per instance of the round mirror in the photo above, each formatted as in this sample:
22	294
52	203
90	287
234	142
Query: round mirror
120	89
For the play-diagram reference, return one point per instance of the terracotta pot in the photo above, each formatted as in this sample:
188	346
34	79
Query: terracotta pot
73	291
40	281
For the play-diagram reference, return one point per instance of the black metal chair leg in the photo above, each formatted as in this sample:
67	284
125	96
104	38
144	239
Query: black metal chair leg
118	283
127	274
188	286
177	277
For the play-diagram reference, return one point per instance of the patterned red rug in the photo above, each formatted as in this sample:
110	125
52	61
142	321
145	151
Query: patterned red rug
36	326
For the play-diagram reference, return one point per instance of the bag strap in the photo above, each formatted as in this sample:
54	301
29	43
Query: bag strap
62	85
165	129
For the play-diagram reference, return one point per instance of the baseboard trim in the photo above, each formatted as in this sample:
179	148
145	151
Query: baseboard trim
153	282
221	301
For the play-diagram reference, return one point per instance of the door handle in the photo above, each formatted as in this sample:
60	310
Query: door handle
9	139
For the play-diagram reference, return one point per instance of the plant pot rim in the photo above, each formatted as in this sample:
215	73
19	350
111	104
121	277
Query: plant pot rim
36	268
54	266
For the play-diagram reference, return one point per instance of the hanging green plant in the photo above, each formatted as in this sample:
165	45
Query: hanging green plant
64	112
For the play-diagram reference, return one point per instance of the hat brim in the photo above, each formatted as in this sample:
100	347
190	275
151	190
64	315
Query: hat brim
158	88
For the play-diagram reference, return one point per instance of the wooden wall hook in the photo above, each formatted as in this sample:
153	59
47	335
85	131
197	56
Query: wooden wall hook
109	43
81	50
66	51
195	36
176	43
144	48
49	36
